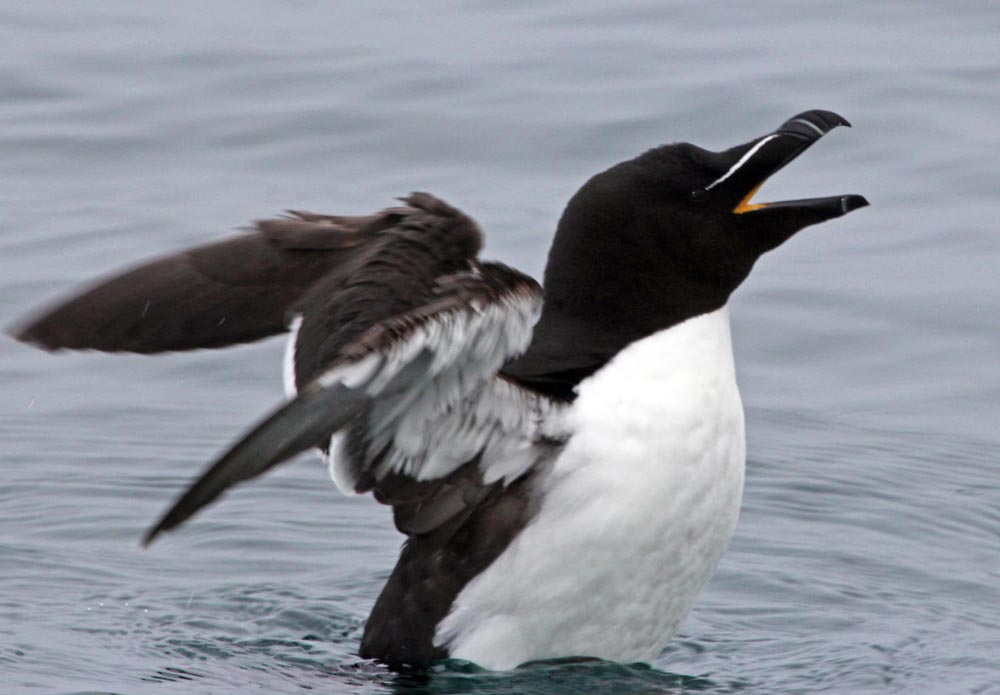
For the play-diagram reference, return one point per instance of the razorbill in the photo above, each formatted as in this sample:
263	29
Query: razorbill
566	486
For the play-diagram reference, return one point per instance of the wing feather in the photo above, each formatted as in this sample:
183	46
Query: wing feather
302	423
232	291
408	394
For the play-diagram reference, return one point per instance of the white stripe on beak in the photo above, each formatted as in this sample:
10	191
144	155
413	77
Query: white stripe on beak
741	162
811	125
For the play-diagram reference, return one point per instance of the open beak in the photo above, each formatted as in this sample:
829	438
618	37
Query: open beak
758	160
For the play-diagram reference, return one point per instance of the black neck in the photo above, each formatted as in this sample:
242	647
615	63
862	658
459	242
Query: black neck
603	292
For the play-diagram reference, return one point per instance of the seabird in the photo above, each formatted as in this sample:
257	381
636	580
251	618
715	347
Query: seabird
567	471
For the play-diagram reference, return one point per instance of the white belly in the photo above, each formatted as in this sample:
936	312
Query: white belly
636	512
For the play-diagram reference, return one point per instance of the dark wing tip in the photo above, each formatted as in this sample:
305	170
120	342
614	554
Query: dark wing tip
53	330
186	506
306	421
151	534
27	332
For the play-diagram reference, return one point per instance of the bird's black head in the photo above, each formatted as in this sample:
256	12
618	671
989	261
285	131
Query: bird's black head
668	236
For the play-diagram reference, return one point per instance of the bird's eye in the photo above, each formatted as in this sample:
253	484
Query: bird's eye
698	197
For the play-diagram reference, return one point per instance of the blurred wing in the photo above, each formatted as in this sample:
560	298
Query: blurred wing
232	291
414	398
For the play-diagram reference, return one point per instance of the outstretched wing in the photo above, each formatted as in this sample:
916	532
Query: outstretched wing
412	400
233	291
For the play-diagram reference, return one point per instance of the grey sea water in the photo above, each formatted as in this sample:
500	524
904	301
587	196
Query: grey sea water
867	559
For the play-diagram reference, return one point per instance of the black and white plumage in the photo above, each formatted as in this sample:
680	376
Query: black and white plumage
566	488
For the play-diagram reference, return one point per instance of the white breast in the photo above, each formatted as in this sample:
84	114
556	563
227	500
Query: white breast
636	512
